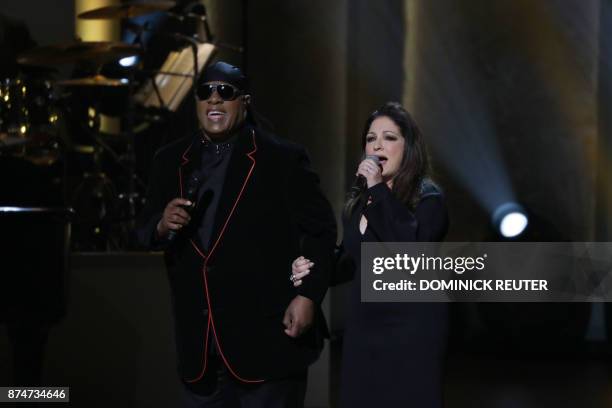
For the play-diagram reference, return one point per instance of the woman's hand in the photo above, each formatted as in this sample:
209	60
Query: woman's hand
371	171
300	267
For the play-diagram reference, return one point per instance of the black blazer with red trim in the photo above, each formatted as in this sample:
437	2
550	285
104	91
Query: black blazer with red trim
271	210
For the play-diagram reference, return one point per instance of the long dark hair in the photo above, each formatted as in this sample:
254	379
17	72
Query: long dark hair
414	168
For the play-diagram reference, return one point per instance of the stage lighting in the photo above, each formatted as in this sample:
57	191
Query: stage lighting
128	61
510	220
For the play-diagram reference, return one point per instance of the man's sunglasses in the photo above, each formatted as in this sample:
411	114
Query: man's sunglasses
227	92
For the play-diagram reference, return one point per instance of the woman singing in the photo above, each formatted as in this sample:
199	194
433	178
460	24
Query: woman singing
392	352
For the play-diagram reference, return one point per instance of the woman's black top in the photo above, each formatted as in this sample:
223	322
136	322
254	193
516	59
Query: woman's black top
393	352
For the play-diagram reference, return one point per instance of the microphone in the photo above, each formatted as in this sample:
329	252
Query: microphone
191	194
360	185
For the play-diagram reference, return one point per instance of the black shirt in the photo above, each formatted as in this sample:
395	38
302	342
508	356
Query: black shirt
215	158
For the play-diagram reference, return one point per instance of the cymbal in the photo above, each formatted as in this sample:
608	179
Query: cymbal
11	141
126	10
84	149
96	80
97	51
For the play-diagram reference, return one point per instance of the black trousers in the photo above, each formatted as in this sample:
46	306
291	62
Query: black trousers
223	390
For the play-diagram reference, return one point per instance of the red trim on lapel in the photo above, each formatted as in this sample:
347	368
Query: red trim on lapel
180	175
211	319
246	180
205	352
184	161
197	249
214	330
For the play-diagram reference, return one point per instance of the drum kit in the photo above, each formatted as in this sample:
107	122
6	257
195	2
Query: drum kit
34	112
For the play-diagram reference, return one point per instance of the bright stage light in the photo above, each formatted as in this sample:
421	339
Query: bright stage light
128	61
510	220
513	224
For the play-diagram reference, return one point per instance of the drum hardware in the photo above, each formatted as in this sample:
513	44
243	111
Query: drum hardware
94	201
95	197
96	80
168	86
116	212
168	73
174	80
97	202
97	52
208	37
8	142
29	120
121	160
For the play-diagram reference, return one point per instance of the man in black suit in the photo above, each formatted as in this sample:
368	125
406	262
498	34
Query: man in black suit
245	335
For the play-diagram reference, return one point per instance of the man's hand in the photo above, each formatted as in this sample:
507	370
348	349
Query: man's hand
174	217
298	316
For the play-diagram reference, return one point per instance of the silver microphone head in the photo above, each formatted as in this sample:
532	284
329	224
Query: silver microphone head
374	158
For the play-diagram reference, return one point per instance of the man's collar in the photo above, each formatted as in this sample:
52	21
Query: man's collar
218	148
227	143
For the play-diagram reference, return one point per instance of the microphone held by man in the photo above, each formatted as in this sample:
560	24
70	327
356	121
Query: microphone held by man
177	213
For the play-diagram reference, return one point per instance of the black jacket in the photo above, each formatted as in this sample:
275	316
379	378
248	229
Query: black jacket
393	351
271	210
